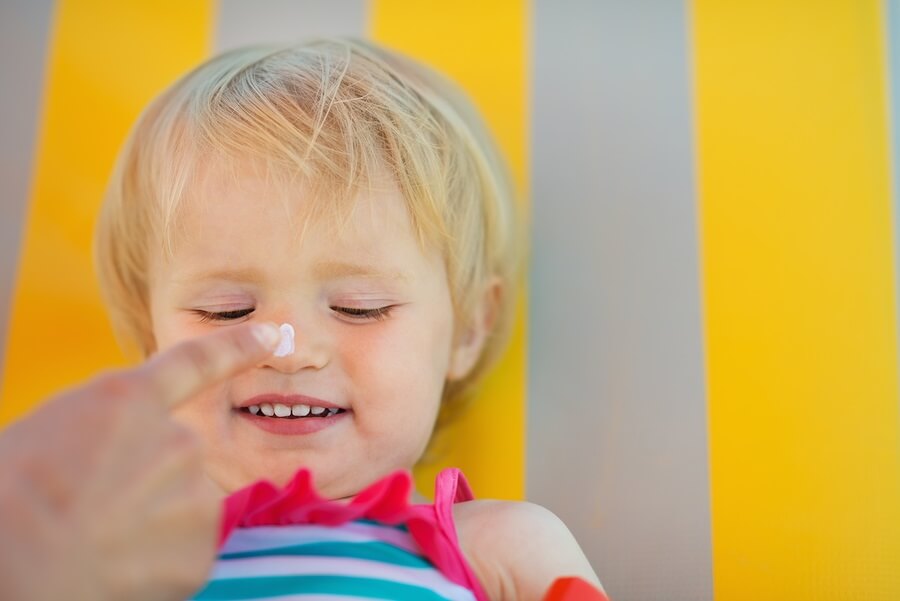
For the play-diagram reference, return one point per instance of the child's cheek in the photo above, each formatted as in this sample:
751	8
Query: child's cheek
377	356
366	343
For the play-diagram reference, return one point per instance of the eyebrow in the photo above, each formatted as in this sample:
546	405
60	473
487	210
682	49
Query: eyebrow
322	271
336	269
228	274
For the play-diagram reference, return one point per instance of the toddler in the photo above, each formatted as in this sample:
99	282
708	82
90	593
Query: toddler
353	197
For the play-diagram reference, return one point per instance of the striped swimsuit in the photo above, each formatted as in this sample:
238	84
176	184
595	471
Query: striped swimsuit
292	544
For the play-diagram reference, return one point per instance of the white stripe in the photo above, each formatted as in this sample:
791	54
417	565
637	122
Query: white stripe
314	598
388	534
319	598
279	565
310	597
266	537
303	597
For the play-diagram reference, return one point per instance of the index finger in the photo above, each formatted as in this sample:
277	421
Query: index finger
181	372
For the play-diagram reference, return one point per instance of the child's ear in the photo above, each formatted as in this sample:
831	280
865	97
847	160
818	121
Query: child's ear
470	341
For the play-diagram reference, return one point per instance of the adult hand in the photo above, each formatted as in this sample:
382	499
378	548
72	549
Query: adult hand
102	495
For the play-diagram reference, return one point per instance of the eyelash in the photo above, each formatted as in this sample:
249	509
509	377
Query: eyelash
378	313
206	316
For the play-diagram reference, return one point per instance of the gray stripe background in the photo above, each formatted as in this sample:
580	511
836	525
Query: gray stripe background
24	31
242	23
617	411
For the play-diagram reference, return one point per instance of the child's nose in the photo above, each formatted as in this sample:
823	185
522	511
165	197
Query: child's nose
299	349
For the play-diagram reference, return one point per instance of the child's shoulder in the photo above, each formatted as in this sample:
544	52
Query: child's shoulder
517	549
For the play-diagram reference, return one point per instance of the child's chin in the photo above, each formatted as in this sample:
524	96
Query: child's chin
228	479
330	479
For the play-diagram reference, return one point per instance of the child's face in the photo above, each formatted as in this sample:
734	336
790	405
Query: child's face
374	332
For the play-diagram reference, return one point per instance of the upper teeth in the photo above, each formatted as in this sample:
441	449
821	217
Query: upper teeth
281	410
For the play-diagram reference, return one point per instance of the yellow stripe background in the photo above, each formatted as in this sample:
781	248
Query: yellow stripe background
100	76
800	302
481	45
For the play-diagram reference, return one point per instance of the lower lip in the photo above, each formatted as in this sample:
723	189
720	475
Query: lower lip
288	427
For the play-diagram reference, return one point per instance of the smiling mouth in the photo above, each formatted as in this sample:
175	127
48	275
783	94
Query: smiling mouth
281	411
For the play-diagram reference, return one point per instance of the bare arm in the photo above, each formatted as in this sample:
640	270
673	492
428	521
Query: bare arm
518	549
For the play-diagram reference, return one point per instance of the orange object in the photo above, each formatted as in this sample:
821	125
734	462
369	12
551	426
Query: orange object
573	589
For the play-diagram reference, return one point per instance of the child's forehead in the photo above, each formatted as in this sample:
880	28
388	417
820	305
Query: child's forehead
245	219
250	192
272	178
259	186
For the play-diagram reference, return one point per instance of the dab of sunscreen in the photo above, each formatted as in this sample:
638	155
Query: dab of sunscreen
286	345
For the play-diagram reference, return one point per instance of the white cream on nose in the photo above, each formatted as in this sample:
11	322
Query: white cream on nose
286	345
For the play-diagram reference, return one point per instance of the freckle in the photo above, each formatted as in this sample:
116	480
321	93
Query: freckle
286	345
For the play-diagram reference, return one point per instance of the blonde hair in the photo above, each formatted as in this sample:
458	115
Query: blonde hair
333	113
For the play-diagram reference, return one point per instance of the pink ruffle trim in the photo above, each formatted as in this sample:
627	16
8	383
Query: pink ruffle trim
386	501
264	504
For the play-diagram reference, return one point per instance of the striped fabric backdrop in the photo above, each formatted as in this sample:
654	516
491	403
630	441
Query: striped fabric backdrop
703	382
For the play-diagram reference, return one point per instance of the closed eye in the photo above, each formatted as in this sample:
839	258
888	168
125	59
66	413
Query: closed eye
364	314
206	316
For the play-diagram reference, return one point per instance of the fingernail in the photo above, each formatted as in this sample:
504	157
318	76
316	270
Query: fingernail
267	334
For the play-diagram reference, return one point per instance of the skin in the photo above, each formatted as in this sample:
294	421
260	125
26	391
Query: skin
374	330
375	336
103	496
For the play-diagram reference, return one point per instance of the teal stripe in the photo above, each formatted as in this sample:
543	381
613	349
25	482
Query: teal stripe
400	527
278	586
373	551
